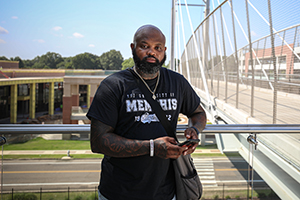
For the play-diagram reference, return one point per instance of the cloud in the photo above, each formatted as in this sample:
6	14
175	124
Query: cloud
253	33
14	17
39	41
78	35
3	30
57	28
91	45
2	41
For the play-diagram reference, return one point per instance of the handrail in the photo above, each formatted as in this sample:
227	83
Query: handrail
213	128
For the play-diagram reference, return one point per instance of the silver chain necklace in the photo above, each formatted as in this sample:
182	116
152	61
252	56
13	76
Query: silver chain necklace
153	92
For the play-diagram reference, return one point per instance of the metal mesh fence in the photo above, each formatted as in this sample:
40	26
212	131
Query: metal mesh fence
249	46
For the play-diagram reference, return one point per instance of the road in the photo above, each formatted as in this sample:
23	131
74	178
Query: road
84	174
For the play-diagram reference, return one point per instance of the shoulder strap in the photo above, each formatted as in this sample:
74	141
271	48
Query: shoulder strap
155	106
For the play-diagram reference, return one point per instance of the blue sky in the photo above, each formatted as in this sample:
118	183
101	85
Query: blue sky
30	28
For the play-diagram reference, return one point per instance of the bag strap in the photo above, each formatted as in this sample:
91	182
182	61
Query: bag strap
155	106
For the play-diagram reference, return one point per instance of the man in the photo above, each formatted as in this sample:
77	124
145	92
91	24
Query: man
138	151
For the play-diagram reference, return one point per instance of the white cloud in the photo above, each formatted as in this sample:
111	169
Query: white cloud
253	33
39	41
78	35
14	17
2	41
3	30
57	28
91	45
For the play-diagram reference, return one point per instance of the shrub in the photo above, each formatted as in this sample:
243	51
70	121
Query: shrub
216	197
227	197
237	197
24	196
78	198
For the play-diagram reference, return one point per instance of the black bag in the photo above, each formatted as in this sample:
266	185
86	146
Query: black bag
188	185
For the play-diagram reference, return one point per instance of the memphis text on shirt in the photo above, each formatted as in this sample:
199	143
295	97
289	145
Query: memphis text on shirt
140	104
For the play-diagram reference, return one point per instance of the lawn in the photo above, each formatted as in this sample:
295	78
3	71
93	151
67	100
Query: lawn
42	144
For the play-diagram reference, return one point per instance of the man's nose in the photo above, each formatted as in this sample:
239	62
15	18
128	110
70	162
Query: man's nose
151	52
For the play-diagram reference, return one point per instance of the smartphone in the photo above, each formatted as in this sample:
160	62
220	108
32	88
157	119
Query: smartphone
188	142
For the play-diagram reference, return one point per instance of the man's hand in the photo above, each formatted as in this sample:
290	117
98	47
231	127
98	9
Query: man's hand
198	119
166	147
190	133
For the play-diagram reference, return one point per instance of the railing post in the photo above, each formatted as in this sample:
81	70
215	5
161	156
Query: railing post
40	193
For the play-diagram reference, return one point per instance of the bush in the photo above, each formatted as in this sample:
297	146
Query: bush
78	198
216	197
227	197
24	196
237	197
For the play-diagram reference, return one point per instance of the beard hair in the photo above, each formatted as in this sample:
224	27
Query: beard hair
146	67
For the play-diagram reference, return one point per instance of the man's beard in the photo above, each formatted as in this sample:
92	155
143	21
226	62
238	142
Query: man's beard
146	67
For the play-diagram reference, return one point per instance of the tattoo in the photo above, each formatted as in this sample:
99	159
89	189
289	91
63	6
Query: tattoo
160	149
103	140
199	119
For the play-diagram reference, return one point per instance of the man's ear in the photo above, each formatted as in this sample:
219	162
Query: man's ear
165	48
132	46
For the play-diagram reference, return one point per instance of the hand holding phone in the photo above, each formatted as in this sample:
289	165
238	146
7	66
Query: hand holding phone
188	142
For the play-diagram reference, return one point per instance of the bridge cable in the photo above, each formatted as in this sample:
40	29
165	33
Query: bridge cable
185	47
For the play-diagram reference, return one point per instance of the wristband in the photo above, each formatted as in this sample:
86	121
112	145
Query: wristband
151	148
193	127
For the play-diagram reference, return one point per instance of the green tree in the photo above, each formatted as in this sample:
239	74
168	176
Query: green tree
21	63
111	60
51	59
127	63
85	61
3	58
66	64
28	63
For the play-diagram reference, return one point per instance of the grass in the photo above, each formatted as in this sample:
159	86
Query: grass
235	194
55	156
54	195
42	144
207	194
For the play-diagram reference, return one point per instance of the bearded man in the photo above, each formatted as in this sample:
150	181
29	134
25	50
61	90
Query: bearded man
137	149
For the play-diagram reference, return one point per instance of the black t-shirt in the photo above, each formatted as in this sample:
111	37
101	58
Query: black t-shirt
120	104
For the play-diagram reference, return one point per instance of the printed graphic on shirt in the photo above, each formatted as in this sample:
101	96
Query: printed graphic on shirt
138	103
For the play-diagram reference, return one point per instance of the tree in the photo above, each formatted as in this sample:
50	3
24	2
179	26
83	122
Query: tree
51	59
85	61
127	63
3	58
67	64
111	60
21	63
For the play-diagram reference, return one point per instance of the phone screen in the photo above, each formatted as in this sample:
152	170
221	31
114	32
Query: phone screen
189	142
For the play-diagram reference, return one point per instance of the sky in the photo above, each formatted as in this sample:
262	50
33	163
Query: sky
30	28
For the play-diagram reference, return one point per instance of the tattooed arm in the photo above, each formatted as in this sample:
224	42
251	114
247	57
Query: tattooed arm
104	141
198	120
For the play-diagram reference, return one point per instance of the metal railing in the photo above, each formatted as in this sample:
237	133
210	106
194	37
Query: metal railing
246	138
85	128
246	44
